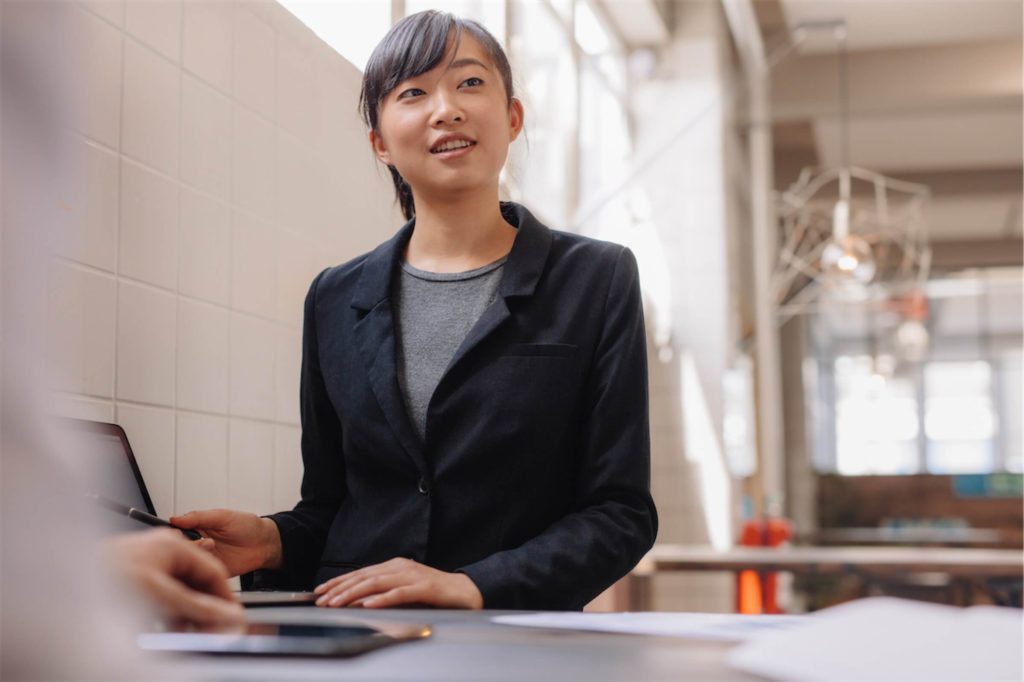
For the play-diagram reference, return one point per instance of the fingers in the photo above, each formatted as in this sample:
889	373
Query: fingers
207	518
201	571
196	607
391	565
407	594
352	591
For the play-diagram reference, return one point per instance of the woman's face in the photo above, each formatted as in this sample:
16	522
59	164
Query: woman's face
447	131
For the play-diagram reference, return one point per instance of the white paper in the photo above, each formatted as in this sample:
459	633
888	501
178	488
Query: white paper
719	626
892	639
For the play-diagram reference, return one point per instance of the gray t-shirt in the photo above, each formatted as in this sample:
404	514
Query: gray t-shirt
434	312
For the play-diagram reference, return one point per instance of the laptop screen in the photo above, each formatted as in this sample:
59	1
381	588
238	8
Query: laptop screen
108	469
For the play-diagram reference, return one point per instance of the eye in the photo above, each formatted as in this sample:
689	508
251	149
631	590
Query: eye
472	81
411	92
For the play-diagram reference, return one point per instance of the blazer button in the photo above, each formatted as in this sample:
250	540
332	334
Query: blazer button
423	487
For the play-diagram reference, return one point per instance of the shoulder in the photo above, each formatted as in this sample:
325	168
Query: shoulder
589	255
338	278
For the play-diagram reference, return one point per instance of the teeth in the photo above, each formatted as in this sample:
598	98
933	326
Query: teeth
454	144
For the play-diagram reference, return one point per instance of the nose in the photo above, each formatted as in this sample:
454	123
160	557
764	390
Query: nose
446	109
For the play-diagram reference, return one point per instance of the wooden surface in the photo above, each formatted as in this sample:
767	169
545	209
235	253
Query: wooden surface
875	501
976	563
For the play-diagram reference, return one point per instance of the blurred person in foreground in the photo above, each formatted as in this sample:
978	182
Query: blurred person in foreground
63	614
184	583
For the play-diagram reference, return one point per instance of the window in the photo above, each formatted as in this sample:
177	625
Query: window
876	408
959	417
876	420
541	169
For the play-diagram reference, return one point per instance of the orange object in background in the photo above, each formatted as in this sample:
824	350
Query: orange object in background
757	592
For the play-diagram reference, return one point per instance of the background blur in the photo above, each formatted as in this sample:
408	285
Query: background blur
218	163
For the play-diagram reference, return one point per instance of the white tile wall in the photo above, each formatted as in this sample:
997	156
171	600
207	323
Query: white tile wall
205	138
149	226
252	367
111	10
287	466
97	69
251	466
176	306
156	23
77	407
81	330
150	431
201	458
295	88
295	197
287	363
204	255
254	61
150	108
92	236
202	362
206	44
252	159
297	265
145	344
253	265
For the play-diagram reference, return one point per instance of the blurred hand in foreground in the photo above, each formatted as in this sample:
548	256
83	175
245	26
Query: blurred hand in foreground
181	580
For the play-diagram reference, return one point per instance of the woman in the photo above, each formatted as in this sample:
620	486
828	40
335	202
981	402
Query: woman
474	390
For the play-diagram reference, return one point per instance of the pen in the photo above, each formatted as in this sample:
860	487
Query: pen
139	515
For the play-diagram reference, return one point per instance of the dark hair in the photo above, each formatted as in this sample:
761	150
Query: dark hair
413	46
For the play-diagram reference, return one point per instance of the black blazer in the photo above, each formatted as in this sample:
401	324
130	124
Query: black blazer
534	477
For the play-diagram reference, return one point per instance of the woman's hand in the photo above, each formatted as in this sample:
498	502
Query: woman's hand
400	582
244	542
181	580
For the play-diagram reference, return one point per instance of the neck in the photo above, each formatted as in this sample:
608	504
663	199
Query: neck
458	234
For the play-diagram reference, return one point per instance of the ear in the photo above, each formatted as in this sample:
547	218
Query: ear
515	119
377	142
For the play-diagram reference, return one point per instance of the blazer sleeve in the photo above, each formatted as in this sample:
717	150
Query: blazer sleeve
613	522
304	528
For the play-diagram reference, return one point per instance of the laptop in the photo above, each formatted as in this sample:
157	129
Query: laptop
106	464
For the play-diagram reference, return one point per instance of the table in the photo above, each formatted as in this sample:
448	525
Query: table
465	645
868	562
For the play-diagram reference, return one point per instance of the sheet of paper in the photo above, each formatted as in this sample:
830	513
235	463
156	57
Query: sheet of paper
892	639
720	626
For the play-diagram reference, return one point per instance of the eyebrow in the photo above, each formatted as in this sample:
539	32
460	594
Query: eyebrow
467	61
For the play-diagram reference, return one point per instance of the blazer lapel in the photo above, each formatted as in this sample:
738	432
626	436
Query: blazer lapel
375	336
523	269
375	329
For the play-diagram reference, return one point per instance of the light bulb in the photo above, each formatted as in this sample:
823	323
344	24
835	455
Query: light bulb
848	256
912	337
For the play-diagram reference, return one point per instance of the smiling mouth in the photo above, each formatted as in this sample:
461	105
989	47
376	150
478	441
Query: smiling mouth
453	146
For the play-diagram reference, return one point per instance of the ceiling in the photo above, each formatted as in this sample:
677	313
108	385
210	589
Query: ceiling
935	91
877	25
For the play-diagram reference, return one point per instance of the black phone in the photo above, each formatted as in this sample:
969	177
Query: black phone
286	639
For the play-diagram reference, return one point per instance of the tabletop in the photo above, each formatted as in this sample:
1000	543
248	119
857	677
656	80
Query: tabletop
465	645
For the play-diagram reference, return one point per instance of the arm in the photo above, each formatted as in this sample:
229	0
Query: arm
614	521
304	529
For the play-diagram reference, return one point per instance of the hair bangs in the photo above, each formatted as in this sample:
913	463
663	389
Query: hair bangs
410	49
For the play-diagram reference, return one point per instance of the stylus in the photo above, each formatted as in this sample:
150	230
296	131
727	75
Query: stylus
139	515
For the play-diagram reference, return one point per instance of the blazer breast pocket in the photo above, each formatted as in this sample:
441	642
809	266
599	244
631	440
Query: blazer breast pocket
539	390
